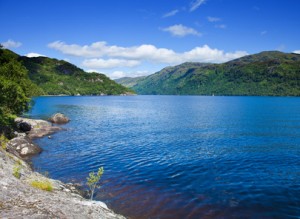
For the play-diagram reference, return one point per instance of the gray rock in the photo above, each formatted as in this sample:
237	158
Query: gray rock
59	118
18	134
19	199
34	123
22	147
43	131
40	127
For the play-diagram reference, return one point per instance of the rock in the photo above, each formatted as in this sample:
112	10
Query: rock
59	118
34	123
39	128
24	126
18	134
43	131
19	199
22	147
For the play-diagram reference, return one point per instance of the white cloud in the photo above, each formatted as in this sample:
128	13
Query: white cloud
196	4
93	50
101	49
170	14
143	52
207	54
297	51
33	54
213	19
109	63
92	71
117	74
221	26
107	56
263	32
181	31
140	73
11	44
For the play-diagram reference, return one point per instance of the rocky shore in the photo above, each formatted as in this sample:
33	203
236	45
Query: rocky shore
28	194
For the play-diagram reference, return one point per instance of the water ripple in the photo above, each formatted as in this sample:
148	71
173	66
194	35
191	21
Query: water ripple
180	157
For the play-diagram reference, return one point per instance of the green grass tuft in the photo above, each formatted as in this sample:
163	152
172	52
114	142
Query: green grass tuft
16	170
3	141
42	184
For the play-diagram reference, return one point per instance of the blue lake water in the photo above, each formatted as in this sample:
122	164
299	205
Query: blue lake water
180	156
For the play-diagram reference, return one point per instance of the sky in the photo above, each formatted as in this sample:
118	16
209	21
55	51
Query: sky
130	38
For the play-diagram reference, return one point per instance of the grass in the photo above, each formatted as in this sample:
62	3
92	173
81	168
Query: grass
42	184
16	170
3	141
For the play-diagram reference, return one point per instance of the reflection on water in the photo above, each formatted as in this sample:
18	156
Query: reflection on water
180	156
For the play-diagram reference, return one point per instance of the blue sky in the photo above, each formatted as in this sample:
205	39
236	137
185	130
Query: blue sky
139	37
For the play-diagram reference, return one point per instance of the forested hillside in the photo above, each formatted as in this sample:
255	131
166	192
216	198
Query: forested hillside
15	88
57	77
267	73
22	77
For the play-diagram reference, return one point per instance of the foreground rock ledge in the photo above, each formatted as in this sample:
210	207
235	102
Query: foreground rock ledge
39	128
22	146
19	199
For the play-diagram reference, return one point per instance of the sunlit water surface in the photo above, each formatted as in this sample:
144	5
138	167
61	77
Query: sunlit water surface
180	156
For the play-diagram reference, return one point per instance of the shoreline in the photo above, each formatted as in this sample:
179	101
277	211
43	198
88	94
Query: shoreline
20	198
79	95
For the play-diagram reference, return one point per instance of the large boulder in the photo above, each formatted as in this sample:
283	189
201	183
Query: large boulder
59	118
39	128
34	123
22	147
24	126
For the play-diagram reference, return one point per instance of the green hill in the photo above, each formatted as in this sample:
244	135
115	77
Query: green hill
128	81
22	77
57	77
267	73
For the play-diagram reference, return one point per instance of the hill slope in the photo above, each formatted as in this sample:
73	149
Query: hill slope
267	73
15	89
128	81
60	77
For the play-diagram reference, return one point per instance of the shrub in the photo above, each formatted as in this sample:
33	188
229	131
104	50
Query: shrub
3	141
16	170
42	184
93	180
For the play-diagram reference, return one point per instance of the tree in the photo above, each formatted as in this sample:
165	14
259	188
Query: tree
93	180
15	89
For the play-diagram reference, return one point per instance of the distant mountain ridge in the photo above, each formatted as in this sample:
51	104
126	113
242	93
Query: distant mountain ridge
128	81
270	73
58	77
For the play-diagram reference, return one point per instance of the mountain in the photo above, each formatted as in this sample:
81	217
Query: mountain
128	81
56	77
270	73
60	77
